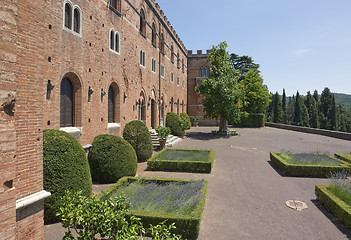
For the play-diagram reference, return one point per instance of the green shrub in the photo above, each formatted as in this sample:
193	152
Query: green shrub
344	156
111	158
303	170
251	120
65	167
334	204
172	121
137	134
162	132
185	116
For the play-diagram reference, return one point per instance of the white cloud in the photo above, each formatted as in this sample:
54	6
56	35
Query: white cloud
303	51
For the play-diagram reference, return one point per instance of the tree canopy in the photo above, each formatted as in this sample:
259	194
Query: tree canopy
221	93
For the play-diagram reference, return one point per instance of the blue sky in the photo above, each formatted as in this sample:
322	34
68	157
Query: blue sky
300	44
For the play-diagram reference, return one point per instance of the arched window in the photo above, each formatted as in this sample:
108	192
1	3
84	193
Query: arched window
172	54
76	21
112	42
142	108
171	103
117	42
153	34
68	16
142	22
162	44
111	105
66	103
183	106
178	106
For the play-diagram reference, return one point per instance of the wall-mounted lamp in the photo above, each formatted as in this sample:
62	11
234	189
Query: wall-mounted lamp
90	92
124	97
149	102
49	88
103	93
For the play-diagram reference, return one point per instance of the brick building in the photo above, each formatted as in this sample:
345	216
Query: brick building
85	67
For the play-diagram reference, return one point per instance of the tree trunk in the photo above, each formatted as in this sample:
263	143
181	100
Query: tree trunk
223	124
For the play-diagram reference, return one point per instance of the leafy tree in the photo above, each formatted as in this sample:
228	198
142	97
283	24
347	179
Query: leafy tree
290	110
298	118
256	97
326	102
305	116
332	115
284	105
243	64
221	92
316	96
277	109
314	114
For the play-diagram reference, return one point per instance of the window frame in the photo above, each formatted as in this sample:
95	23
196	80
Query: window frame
142	57
172	77
153	65
162	71
71	29
178	80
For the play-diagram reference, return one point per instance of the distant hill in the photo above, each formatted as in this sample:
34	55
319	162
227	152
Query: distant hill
343	99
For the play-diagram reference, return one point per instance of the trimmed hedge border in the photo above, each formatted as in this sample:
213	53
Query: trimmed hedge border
187	225
344	156
300	170
181	166
334	204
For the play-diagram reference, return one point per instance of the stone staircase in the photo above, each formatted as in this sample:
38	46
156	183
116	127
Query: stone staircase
171	140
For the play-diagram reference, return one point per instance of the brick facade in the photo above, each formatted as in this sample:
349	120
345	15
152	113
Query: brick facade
38	50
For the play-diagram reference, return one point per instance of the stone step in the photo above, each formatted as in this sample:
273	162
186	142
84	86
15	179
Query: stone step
170	141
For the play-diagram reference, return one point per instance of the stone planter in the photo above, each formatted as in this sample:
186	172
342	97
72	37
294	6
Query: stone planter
182	134
194	123
162	143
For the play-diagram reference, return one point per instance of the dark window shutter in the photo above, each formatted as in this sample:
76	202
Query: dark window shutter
76	21
112	40
111	105
113	3
66	103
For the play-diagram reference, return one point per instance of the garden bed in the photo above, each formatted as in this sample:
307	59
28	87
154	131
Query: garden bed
308	164
334	204
344	156
232	133
182	160
155	200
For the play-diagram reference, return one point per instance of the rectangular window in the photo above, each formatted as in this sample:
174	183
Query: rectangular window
153	65
172	77
162	70
142	58
182	83
178	81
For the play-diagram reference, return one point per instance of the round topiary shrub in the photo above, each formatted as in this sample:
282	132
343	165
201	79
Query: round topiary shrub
137	134
111	158
172	121
186	117
65	167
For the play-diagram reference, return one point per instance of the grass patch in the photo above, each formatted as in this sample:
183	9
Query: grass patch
308	165
182	160
310	159
156	200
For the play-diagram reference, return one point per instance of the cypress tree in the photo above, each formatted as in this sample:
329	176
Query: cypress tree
284	106
298	119
314	115
277	111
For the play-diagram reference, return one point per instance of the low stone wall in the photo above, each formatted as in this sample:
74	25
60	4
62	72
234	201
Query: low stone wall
328	133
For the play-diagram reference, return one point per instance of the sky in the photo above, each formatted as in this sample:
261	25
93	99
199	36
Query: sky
301	45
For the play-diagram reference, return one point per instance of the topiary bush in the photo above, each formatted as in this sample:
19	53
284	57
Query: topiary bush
137	134
65	167
185	116
111	158
172	121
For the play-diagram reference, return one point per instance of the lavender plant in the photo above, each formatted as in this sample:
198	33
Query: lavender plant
172	197
340	185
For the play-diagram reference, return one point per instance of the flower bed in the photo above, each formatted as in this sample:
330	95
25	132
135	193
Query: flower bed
155	200
337	196
182	160
308	165
344	156
232	133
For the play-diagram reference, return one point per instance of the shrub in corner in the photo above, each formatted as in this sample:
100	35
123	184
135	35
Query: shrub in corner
172	121
138	135
185	116
111	158
65	167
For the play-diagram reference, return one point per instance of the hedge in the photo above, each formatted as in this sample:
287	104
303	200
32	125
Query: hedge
334	204
300	170
187	225
344	156
186	117
155	164
65	167
172	121
138	135
111	158
251	120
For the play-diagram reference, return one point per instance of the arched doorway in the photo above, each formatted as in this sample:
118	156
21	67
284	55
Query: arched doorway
66	103
142	107
153	114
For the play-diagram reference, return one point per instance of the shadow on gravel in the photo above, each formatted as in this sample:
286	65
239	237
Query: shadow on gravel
203	136
276	169
334	220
